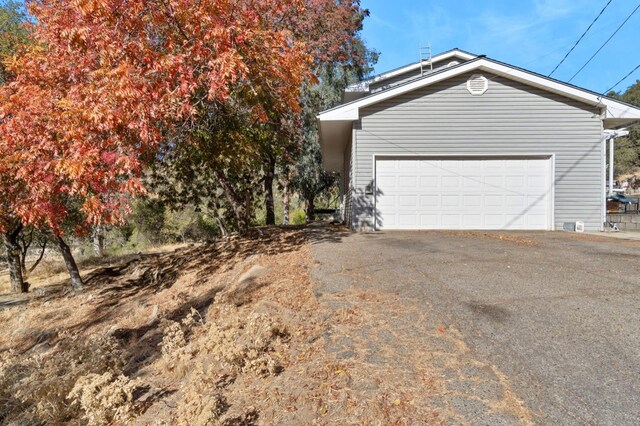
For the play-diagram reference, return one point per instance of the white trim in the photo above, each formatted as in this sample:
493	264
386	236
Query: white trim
354	168
541	155
612	108
357	87
603	171
374	213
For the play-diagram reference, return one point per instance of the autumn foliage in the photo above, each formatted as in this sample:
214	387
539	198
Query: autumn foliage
103	81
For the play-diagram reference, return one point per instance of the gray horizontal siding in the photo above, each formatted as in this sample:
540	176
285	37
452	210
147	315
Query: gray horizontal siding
408	76
509	118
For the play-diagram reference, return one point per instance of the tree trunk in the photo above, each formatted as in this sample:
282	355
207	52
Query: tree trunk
310	210
98	241
43	247
270	172
10	239
286	200
69	261
240	204
24	242
223	230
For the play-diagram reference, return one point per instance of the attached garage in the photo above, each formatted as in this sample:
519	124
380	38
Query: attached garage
473	144
464	193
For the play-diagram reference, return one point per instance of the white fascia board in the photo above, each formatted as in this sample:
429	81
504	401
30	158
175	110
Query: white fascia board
612	108
364	85
341	114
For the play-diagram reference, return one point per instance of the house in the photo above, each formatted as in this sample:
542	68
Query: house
467	142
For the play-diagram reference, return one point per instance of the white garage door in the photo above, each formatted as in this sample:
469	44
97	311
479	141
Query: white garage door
463	193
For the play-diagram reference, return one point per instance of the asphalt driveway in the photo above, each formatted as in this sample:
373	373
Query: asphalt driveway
558	313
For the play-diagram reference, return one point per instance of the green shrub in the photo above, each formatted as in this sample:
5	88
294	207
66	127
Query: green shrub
188	224
298	217
148	218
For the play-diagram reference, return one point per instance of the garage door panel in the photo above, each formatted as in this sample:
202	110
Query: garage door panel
386	166
451	183
408	201
473	221
411	164
386	181
494	181
537	220
407	181
450	201
515	182
449	166
473	165
470	182
451	220
388	222
428	202
387	201
514	221
515	164
493	201
494	221
464	193
429	181
408	220
536	165
429	221
472	201
517	201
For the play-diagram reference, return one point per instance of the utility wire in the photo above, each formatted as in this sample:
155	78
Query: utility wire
621	80
581	37
605	43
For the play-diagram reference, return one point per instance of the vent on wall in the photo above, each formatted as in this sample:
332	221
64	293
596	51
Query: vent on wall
477	84
452	64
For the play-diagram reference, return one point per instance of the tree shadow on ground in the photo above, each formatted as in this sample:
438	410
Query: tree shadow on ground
134	279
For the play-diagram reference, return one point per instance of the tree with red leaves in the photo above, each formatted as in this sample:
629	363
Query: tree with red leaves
104	83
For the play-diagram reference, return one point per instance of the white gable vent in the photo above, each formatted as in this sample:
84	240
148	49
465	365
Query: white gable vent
452	64
477	84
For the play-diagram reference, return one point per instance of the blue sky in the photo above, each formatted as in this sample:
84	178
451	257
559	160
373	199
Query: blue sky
531	34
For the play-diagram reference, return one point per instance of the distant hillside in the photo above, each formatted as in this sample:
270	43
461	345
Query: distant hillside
627	150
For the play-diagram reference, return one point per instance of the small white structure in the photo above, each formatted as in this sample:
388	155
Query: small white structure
611	136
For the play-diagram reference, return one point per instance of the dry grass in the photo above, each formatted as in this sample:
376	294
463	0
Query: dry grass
150	328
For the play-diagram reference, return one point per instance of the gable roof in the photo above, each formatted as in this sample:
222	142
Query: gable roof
335	124
616	113
449	54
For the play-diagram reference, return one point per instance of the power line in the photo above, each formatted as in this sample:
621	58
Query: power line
621	80
605	43
581	37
